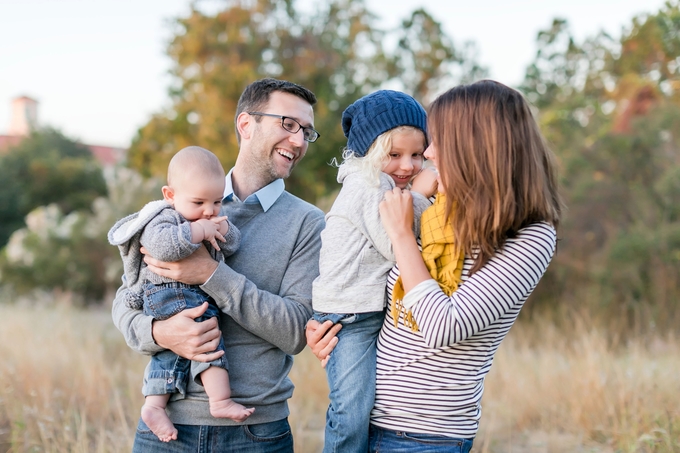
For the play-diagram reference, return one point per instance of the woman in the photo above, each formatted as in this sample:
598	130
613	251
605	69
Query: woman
487	241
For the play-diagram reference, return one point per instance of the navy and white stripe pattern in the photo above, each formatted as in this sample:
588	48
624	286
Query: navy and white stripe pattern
432	381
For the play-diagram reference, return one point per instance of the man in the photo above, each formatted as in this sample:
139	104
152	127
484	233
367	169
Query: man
263	290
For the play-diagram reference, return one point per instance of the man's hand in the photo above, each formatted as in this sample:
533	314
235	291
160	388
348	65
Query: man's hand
195	269
188	338
321	338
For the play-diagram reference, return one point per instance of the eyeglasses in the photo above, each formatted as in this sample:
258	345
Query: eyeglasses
293	126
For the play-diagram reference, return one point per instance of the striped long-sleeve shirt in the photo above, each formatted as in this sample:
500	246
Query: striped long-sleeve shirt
432	381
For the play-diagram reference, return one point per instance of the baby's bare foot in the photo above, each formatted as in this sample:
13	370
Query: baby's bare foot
159	423
230	409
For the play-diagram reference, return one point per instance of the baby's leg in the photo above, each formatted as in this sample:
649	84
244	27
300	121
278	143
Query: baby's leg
155	417
216	383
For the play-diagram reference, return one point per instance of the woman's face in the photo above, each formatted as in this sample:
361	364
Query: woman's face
431	155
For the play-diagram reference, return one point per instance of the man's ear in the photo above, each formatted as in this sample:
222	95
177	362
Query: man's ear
244	124
168	194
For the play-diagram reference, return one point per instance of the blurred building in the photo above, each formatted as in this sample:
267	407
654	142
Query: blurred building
24	119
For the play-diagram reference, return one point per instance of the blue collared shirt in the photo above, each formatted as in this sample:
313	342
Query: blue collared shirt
266	196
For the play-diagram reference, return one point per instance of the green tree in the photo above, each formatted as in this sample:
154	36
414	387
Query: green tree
611	110
426	60
70	252
46	168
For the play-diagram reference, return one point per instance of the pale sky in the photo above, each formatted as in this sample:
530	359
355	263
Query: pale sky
99	71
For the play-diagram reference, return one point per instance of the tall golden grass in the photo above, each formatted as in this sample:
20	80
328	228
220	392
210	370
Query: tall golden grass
68	383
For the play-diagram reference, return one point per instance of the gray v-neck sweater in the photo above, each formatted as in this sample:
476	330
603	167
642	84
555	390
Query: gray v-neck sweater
264	291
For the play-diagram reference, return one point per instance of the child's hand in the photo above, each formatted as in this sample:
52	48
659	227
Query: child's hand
206	230
425	182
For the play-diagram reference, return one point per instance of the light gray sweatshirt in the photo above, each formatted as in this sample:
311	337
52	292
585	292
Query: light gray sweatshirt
356	253
264	291
166	234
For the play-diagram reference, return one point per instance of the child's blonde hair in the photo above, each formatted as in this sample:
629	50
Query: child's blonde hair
377	156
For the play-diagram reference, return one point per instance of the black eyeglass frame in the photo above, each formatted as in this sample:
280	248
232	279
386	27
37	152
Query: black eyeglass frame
305	129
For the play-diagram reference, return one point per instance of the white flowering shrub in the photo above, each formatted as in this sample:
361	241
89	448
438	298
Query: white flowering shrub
70	253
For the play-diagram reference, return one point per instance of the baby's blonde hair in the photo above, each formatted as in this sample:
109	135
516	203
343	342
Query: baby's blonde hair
377	156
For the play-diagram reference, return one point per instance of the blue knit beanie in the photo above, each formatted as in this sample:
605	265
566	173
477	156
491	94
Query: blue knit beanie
376	113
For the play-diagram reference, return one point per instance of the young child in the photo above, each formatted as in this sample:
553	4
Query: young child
386	138
172	229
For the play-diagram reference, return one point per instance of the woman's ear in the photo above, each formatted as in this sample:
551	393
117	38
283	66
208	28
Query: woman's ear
168	194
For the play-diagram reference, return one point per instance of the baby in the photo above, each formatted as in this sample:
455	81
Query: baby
170	230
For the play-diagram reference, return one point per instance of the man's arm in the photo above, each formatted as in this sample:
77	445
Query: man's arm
133	324
180	333
279	318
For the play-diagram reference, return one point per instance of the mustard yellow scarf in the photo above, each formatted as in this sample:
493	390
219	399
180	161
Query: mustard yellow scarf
440	255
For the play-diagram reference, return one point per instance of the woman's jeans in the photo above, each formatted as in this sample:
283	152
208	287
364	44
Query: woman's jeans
167	372
351	378
388	441
273	437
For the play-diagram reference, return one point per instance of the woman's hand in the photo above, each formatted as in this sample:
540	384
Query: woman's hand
195	269
188	338
396	213
321	338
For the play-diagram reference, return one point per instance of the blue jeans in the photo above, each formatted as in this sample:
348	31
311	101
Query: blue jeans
273	437
351	379
388	441
167	372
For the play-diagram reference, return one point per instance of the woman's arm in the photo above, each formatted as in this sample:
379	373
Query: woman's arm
497	290
503	283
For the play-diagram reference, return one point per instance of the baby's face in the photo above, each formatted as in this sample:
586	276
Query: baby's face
198	199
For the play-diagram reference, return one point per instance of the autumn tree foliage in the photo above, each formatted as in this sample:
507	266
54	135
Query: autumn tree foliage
335	49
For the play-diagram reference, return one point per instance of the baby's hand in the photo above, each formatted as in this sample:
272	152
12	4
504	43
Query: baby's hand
425	182
222	224
206	230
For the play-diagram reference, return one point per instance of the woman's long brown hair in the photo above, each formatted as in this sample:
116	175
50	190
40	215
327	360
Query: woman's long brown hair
498	173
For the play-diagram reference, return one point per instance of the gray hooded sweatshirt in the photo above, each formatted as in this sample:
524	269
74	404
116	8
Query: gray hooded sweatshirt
166	234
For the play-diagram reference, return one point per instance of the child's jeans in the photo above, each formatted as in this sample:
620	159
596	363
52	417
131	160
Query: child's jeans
167	372
351	378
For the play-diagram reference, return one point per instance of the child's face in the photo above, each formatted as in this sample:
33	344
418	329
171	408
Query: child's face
197	199
406	157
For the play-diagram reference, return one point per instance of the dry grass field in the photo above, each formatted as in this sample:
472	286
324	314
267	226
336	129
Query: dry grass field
68	383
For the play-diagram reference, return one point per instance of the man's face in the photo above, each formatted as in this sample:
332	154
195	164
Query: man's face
274	150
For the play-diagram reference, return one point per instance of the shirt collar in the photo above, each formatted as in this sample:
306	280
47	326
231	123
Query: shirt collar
266	196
